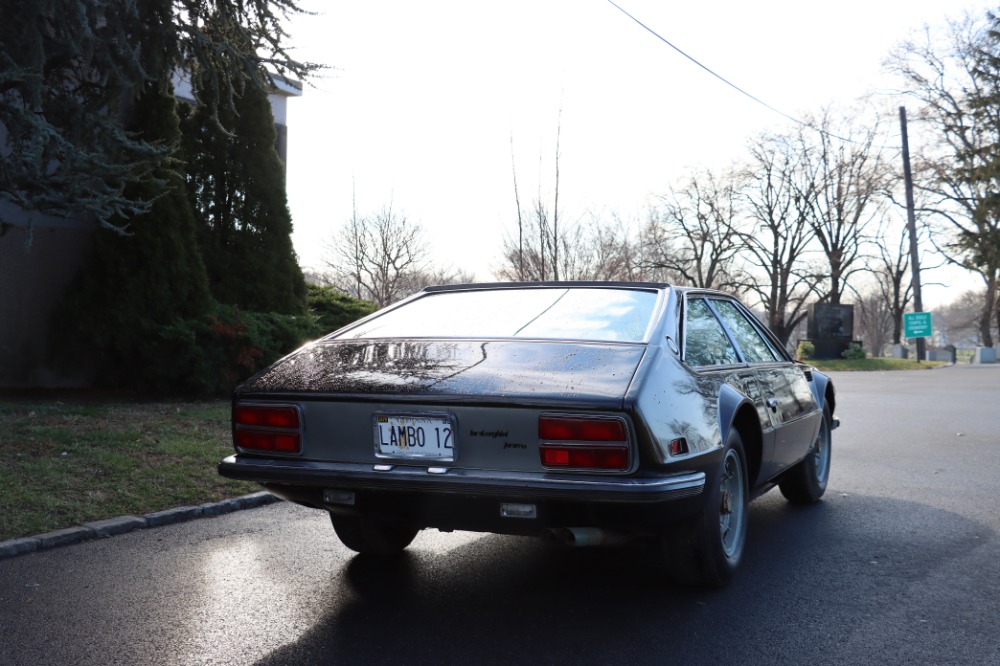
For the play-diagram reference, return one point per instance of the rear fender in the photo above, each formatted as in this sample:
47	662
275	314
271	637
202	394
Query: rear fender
736	410
822	389
730	401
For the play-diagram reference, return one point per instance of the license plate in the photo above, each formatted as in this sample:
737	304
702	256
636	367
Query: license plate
420	436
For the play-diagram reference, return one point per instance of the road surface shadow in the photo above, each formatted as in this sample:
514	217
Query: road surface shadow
809	576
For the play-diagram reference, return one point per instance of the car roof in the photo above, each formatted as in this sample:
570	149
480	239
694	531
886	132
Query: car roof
578	284
569	284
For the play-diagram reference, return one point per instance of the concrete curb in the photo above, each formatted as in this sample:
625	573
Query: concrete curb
107	528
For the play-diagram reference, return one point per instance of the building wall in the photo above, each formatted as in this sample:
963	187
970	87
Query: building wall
36	265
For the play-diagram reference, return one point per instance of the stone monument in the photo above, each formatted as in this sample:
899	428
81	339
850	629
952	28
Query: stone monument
831	329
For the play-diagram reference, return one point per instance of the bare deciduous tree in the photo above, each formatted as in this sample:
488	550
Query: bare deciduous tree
875	321
377	258
593	250
956	81
844	182
608	253
694	235
526	260
891	270
958	323
438	275
777	235
530	256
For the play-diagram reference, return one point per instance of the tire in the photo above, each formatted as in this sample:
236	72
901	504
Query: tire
373	536
806	482
707	550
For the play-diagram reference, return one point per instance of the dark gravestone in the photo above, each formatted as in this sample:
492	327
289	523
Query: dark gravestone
831	329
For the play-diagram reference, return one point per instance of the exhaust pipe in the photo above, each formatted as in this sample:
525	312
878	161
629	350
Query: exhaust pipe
588	536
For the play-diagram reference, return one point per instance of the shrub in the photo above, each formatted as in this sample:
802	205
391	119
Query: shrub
855	352
805	350
334	309
211	355
199	355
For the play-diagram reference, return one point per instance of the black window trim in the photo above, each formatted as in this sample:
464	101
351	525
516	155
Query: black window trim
684	334
755	324
768	336
765	332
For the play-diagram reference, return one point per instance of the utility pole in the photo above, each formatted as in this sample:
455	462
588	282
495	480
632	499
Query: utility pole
911	223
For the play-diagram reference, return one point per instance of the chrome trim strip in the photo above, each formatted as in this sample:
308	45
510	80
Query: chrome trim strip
511	484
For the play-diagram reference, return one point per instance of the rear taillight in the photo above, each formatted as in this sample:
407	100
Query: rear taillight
583	443
271	417
581	429
274	428
576	456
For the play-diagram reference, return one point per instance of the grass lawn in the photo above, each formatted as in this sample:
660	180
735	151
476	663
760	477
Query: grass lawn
875	364
65	463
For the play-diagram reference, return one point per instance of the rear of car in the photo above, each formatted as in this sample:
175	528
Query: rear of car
497	409
586	411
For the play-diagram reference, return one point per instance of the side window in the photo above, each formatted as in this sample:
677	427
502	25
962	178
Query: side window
705	341
754	346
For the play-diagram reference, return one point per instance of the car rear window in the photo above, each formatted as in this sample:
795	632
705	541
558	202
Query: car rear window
598	314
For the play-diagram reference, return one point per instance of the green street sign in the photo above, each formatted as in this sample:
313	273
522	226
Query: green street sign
917	325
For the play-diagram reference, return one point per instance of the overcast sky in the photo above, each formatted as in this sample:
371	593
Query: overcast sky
426	98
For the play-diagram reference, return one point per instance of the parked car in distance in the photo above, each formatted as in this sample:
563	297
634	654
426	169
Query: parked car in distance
585	412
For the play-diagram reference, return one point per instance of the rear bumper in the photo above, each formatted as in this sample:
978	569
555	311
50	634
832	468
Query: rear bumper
507	484
472	499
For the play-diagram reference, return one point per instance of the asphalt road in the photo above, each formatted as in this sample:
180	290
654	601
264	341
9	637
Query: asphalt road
898	565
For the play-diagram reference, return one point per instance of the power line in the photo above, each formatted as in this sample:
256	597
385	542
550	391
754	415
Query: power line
717	75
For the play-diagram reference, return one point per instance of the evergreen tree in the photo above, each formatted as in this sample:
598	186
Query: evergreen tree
66	66
89	128
236	184
137	284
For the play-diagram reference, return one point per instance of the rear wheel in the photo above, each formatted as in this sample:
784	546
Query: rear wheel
373	536
707	550
806	482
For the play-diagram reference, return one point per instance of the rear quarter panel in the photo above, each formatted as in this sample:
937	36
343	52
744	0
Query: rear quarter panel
673	402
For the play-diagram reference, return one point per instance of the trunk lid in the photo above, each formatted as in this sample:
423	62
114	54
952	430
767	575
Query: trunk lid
581	374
